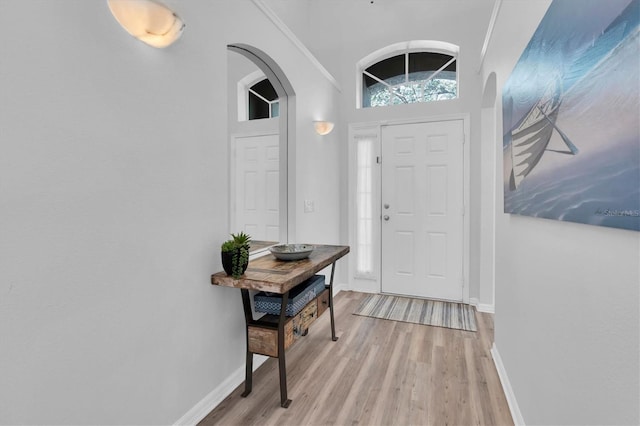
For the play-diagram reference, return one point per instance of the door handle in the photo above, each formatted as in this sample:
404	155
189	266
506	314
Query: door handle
385	217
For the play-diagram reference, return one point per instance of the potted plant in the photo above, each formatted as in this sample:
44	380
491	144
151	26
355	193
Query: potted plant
235	254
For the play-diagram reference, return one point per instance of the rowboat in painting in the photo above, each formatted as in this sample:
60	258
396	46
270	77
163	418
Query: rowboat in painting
530	137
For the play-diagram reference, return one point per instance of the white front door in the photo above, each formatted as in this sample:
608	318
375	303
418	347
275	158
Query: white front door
422	199
255	194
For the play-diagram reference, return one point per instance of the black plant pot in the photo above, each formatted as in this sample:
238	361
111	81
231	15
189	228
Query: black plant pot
227	261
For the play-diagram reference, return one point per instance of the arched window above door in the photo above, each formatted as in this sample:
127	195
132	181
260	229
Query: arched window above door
408	72
263	100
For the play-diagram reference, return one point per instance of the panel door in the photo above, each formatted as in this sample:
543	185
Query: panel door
422	209
256	189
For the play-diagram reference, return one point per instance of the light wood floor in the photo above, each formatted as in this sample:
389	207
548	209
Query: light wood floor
379	372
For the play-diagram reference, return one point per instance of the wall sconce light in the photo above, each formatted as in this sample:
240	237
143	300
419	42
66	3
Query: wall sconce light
323	127
148	21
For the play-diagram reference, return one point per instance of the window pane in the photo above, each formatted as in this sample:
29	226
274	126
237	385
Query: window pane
275	109
397	100
257	107
368	81
386	69
377	95
265	89
439	89
408	93
429	61
364	207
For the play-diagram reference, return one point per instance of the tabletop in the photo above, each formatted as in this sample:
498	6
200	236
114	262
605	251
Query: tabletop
269	274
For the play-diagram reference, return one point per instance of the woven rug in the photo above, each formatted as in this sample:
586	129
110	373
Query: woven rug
419	311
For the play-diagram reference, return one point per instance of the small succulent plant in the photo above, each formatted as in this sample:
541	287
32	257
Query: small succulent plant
241	239
238	246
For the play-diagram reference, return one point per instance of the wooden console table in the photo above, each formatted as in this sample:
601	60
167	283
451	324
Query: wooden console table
267	335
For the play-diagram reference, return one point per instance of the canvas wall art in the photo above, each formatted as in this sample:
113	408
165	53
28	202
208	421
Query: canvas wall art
571	117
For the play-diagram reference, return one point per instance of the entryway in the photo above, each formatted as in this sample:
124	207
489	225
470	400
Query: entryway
408	218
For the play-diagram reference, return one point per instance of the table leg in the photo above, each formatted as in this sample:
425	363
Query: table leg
333	326
248	317
284	402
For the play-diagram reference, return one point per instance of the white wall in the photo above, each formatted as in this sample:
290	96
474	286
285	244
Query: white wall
113	199
567	300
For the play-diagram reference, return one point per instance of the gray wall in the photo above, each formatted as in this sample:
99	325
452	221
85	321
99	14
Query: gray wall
113	199
567	320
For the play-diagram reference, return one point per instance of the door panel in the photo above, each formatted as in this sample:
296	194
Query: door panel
404	190
403	263
437	252
257	177
422	198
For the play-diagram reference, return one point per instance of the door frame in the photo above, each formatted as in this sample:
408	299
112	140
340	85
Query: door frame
372	282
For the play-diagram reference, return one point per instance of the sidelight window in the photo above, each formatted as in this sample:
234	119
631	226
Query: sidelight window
364	205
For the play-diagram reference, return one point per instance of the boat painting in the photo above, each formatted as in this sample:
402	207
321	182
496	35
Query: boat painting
571	132
530	139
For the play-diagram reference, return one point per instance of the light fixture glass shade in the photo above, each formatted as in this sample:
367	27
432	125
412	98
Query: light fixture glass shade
148	21
323	127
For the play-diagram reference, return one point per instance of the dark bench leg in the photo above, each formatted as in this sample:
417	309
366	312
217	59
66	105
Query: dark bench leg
333	326
248	317
284	402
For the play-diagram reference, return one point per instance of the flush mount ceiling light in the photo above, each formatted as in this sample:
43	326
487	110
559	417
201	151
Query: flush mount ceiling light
323	127
148	21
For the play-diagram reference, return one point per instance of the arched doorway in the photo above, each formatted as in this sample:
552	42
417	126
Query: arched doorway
285	136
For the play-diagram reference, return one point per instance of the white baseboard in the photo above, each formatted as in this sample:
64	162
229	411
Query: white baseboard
516	415
482	307
337	288
216	396
362	290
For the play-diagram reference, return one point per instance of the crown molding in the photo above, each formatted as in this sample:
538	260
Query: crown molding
269	13
487	37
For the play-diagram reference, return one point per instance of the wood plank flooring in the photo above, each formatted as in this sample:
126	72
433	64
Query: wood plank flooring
379	372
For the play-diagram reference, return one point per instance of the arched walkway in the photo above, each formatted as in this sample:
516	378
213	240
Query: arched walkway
285	92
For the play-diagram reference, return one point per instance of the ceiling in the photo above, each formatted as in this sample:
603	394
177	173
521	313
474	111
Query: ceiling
328	28
326	23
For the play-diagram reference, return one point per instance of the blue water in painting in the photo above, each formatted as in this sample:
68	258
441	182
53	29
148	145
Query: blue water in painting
600	108
609	197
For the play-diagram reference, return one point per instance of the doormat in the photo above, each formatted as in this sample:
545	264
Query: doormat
419	311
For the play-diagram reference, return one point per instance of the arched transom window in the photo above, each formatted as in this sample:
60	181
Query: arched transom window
409	72
257	98
263	100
